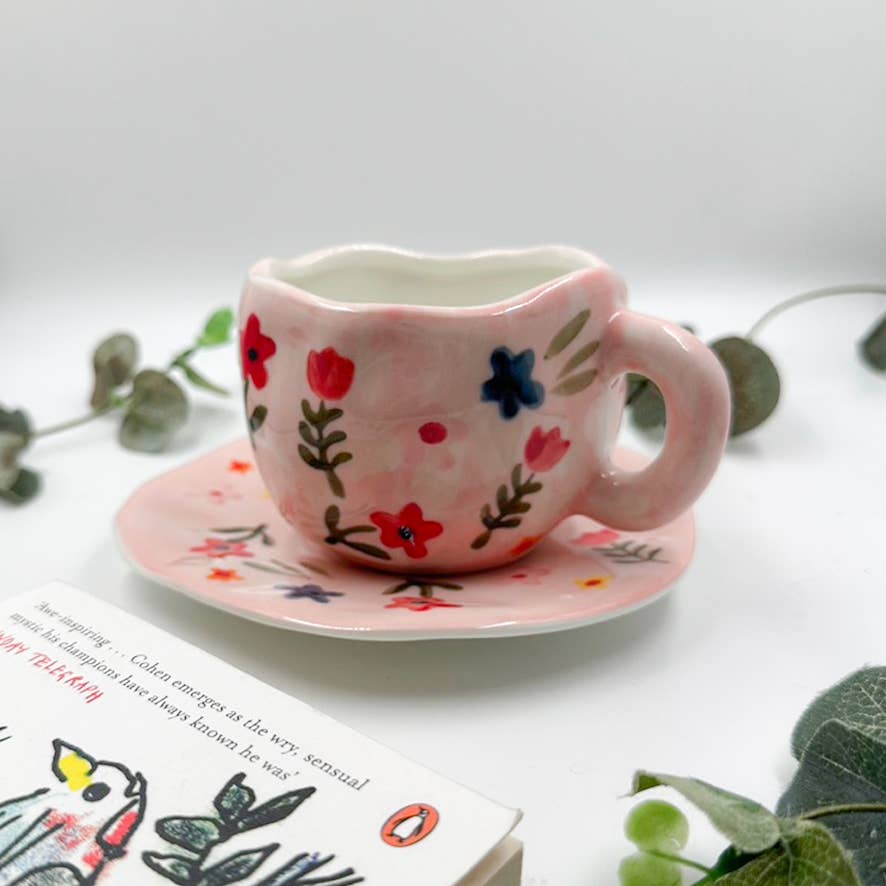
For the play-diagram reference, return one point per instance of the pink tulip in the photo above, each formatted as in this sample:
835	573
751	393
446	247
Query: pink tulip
544	450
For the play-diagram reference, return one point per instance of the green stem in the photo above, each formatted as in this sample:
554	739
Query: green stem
812	295
687	862
81	419
843	808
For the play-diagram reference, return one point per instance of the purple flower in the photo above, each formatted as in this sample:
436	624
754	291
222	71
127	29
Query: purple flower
310	592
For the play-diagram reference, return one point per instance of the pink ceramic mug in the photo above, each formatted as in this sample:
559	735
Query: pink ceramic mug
442	414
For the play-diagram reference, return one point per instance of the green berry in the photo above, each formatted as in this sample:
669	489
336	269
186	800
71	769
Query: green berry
657	825
647	870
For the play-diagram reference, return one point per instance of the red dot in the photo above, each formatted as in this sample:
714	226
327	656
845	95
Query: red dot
433	432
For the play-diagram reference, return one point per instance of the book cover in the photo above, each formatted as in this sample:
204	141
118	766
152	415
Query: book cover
129	756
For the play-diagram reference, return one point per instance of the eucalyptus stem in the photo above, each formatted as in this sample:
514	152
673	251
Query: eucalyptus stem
686	862
843	809
115	403
812	295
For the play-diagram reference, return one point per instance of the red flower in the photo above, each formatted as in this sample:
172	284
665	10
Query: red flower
433	432
329	374
225	575
218	547
255	348
239	467
421	604
408	530
544	450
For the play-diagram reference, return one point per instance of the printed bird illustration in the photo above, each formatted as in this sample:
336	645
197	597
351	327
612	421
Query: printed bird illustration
66	835
410	827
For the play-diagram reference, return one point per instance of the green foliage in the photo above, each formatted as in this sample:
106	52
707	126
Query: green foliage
753	380
643	869
829	828
153	409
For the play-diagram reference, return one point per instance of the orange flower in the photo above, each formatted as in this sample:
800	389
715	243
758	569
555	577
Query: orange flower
524	545
225	575
239	467
594	583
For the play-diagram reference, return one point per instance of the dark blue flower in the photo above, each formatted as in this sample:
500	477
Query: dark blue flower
311	592
511	385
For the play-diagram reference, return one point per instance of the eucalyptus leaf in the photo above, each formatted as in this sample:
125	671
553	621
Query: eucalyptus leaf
11	446
25	486
648	406
157	409
234	798
873	347
807	855
172	867
753	379
564	337
237	867
15	421
217	330
842	766
194	833
113	363
749	826
858	701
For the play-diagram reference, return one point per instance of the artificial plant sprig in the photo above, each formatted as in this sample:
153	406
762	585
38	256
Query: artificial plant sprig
152	403
828	829
753	377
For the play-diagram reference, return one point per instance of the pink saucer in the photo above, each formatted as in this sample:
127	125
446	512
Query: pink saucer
210	530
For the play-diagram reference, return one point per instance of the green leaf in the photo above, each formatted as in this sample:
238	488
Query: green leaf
234	798
158	408
579	357
25	487
257	419
397	588
341	458
808	855
309	458
307	434
565	336
200	381
510	523
171	867
332	439
193	833
11	446
335	485
275	810
873	347
15	421
501	497
481	540
648	407
753	379
217	330
575	383
369	550
309	413
113	363
858	701
331	517
842	766
749	826
238	867
530	488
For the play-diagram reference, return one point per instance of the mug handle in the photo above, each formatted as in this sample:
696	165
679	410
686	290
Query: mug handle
696	396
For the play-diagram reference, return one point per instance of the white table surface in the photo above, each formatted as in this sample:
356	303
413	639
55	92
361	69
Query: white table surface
787	592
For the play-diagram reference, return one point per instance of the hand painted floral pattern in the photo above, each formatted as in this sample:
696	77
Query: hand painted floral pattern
524	545
220	547
329	374
511	385
308	592
594	583
255	350
596	539
421	604
543	451
239	467
224	575
511	506
531	576
406	529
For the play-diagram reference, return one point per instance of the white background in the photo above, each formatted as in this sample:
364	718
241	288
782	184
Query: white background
721	155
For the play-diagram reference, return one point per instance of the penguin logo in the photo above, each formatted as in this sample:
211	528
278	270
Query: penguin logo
409	825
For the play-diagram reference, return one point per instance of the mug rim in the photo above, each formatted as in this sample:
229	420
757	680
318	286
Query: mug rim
570	260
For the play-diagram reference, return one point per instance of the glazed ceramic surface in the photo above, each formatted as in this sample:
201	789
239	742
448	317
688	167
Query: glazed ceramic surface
433	415
210	530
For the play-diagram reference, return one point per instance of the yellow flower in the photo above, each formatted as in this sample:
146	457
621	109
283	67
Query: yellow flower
594	583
